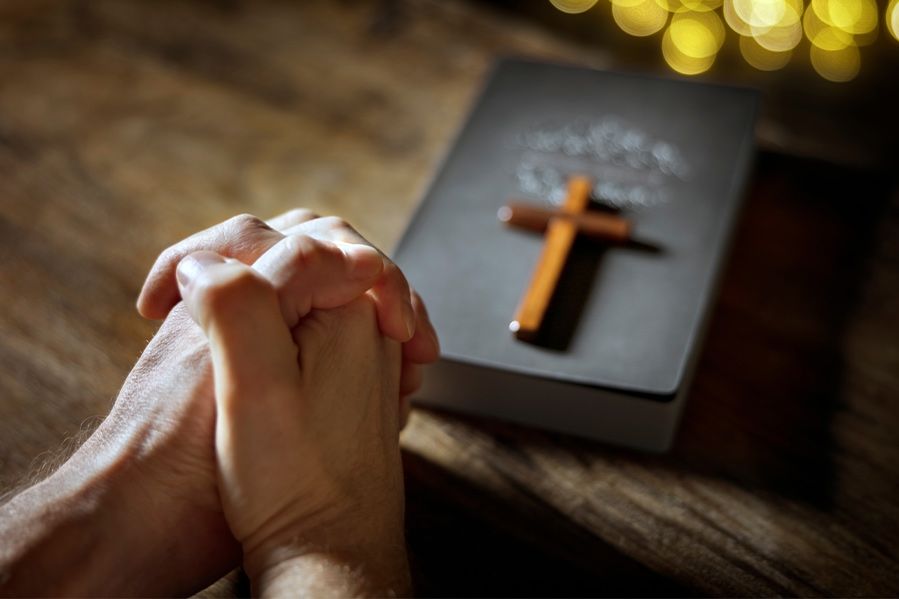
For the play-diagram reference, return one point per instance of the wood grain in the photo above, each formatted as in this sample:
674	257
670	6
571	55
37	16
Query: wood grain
126	125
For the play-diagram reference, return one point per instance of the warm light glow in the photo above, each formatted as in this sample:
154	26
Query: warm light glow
733	19
768	30
891	18
684	63
701	5
852	16
762	58
697	35
838	65
672	6
574	6
760	13
679	6
786	33
824	36
641	19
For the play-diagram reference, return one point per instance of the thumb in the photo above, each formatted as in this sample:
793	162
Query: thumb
237	308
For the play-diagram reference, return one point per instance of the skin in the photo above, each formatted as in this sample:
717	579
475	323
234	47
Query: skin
179	481
332	503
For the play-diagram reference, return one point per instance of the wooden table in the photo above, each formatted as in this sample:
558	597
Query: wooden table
126	125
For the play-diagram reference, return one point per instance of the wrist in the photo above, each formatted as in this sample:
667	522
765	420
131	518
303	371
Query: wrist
350	558
174	543
319	574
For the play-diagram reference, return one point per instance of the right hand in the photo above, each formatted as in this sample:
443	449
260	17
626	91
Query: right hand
307	427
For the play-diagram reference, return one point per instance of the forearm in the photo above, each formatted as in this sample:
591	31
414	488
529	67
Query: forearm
91	529
58	535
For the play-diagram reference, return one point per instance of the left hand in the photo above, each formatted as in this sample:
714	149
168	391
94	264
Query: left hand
401	312
307	423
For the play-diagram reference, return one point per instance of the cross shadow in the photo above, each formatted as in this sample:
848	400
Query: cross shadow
572	294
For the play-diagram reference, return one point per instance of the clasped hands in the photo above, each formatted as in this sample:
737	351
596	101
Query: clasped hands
261	423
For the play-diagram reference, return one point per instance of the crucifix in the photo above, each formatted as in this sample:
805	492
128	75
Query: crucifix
562	228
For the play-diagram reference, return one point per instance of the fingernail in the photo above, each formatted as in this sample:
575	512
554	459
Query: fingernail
365	261
409	319
191	266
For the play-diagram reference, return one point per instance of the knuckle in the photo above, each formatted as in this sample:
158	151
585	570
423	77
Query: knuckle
300	215
335	222
304	251
247	223
229	294
170	255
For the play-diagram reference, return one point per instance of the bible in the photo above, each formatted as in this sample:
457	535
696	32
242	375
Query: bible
569	247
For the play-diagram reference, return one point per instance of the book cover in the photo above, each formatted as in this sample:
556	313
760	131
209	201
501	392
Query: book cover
671	156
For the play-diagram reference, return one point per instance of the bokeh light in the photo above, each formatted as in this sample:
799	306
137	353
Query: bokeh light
697	35
852	16
891	18
784	34
672	6
574	6
690	45
836	65
760	14
761	57
681	63
700	5
640	17
824	36
734	20
769	31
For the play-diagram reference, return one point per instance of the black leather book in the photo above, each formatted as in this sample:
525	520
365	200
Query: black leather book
625	324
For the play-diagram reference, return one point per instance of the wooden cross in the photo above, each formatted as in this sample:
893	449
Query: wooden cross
562	228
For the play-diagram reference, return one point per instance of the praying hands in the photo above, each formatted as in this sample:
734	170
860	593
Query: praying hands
261	423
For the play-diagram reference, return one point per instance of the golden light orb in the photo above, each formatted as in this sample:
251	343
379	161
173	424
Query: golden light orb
641	19
684	63
780	39
574	6
891	18
672	6
786	33
734	20
836	65
701	5
852	16
760	13
696	34
762	58
824	36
